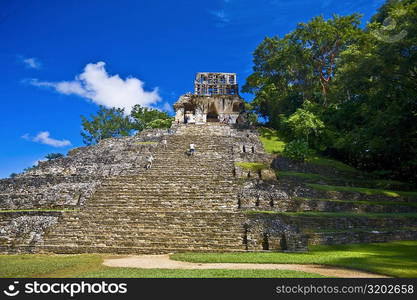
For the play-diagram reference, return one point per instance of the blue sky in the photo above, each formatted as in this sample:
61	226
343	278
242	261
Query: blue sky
60	59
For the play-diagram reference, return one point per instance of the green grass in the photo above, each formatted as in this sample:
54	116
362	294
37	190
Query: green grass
367	191
364	202
214	273
90	265
322	161
29	265
274	144
311	176
40	209
252	166
398	259
378	183
271	140
322	214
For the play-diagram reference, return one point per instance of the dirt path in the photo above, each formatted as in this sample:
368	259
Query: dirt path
164	262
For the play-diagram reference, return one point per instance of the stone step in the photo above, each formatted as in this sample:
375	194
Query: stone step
131	250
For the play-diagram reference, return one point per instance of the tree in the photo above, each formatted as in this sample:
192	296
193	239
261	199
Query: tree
144	117
160	123
300	66
361	84
323	41
305	125
377	82
107	123
52	156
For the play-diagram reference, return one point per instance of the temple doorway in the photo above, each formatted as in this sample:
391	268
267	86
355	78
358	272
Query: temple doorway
189	113
212	114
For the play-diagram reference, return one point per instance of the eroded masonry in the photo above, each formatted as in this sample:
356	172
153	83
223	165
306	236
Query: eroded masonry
215	99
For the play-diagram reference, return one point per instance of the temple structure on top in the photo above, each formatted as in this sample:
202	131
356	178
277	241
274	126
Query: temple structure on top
215	99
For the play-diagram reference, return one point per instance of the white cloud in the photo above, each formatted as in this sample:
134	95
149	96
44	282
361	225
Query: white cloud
95	84
32	63
43	137
221	16
167	107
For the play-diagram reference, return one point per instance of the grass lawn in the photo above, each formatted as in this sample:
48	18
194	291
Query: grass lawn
90	265
28	265
167	273
398	259
271	141
367	191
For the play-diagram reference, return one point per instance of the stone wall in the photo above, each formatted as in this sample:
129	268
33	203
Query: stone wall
25	229
266	232
71	180
286	194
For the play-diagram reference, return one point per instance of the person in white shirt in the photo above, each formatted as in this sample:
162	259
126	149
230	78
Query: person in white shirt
164	143
192	149
149	163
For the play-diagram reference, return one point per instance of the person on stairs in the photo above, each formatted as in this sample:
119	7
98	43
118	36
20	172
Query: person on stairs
164	143
192	149
149	162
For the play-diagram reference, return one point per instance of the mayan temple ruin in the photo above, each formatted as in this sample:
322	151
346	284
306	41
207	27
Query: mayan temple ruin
215	99
102	199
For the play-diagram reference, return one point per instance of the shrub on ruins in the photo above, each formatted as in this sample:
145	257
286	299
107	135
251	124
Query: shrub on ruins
52	156
107	123
160	123
306	125
29	168
144	117
298	150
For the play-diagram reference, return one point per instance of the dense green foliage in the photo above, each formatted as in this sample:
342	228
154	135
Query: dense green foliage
113	122
349	92
298	150
107	123
144	117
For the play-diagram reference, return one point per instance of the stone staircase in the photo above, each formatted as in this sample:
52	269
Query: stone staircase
181	204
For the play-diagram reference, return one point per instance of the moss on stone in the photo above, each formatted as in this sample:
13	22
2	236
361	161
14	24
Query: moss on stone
367	191
253	166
